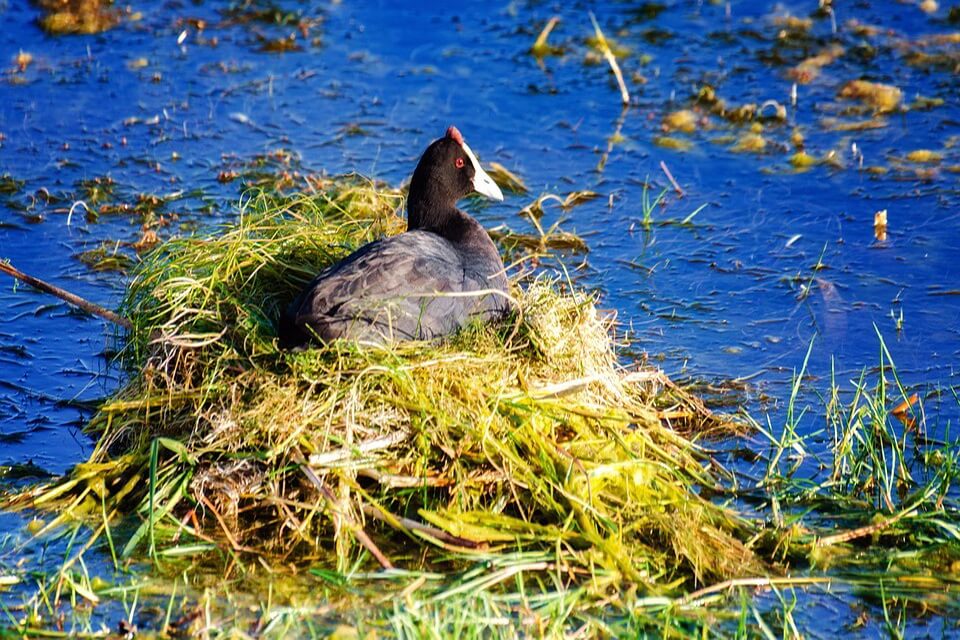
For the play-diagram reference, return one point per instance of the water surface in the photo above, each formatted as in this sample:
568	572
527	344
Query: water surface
160	108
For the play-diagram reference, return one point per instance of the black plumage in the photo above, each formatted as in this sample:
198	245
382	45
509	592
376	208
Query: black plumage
421	284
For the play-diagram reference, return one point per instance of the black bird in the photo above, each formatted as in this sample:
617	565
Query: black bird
421	284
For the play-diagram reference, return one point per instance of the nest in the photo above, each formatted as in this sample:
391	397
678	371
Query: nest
527	435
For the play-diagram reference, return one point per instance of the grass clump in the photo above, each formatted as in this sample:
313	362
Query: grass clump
525	437
77	16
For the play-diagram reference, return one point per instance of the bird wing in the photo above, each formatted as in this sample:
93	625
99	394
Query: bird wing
387	290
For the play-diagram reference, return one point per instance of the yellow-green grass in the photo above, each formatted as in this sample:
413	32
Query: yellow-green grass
527	436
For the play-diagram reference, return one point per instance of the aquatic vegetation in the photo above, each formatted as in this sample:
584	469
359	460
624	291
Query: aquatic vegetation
924	156
803	160
269	13
106	257
522	438
610	51
807	71
750	143
94	191
506	179
649	205
886	484
571	200
684	120
288	29
78	16
673	143
10	185
359	99
884	98
546	240
541	47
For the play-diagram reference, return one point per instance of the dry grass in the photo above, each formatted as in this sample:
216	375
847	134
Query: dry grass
78	16
524	436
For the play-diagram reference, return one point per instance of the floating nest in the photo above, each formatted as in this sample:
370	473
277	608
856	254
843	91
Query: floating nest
527	435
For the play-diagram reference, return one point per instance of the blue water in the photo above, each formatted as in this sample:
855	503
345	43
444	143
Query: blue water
717	300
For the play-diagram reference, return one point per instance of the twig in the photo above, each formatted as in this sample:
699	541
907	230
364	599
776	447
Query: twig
864	531
331	499
611	59
367	446
223	526
68	297
399	522
676	187
612	140
566	387
540	47
395	481
748	582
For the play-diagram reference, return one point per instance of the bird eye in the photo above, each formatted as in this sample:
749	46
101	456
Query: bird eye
459	163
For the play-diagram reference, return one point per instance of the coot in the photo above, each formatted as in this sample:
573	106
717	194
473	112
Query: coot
421	284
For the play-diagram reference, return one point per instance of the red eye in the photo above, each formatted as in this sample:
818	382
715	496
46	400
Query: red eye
459	163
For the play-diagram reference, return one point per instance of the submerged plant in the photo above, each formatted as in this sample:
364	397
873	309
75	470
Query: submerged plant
649	205
880	504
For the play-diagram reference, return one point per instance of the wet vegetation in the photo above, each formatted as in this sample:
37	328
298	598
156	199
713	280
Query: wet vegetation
538	478
78	16
516	469
519	454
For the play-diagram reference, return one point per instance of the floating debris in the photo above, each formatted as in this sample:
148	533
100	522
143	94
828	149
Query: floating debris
279	45
808	70
925	156
750	143
601	43
670	142
505	178
148	240
541	48
78	16
923	103
794	23
940	39
10	185
684	120
106	257
572	199
884	98
749	112
22	60
803	160
835	124
527	436
880	225
797	139
864	30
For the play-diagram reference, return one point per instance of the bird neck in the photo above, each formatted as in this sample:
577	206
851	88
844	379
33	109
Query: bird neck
430	208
